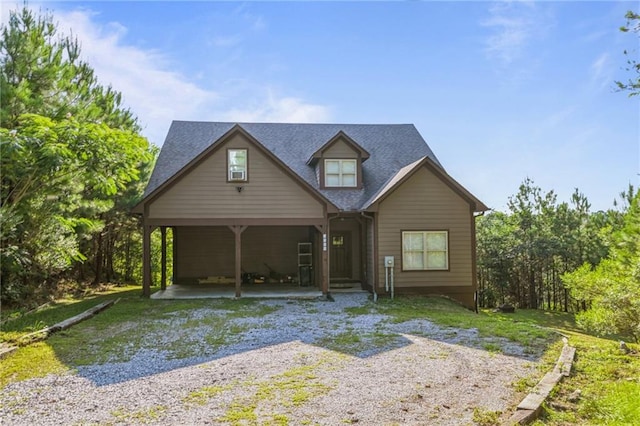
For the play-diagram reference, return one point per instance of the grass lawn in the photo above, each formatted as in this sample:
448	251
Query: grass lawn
608	380
604	386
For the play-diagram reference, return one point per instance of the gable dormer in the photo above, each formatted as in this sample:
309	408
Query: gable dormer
338	163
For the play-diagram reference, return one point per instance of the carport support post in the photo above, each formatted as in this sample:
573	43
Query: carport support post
146	260
163	279
237	230
324	276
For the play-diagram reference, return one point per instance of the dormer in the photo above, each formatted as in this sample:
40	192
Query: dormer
338	163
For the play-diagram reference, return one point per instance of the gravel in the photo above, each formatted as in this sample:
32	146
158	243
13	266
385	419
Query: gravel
289	367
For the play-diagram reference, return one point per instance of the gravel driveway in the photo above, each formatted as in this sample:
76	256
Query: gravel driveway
305	363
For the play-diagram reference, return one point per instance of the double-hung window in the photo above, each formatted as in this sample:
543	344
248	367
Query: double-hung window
425	250
340	173
237	165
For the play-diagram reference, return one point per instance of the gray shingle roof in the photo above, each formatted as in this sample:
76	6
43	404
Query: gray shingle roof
392	146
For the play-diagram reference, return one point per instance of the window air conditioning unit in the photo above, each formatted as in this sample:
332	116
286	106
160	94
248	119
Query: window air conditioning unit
237	175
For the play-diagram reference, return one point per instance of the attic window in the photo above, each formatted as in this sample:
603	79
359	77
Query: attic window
237	165
340	173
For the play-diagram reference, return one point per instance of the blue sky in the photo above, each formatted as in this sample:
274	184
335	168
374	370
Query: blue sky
501	91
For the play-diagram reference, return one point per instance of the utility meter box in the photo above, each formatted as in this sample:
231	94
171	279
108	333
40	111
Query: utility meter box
388	261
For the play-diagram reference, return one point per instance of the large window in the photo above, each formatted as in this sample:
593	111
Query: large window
340	173
237	164
425	250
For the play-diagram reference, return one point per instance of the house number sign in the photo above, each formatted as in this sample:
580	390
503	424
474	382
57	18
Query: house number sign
324	242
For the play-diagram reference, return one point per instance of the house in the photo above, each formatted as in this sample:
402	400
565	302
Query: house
327	204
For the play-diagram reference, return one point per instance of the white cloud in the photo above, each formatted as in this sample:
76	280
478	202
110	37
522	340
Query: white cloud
601	72
513	25
280	109
157	95
154	93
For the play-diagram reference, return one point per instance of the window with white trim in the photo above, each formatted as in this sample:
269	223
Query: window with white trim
237	164
340	173
425	250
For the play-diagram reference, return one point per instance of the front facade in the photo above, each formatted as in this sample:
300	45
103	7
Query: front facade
315	205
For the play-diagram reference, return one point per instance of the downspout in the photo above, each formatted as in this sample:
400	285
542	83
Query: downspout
373	284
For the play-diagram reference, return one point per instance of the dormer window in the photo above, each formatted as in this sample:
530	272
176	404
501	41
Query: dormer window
338	163
237	165
340	173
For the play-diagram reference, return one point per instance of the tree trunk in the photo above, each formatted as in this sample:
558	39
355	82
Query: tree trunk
98	260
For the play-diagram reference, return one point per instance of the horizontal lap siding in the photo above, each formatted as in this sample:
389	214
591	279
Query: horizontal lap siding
424	202
210	251
205	193
370	264
340	150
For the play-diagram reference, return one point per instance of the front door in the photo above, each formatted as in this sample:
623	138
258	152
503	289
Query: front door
340	255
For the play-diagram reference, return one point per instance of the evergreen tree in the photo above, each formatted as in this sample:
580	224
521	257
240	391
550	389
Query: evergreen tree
71	157
613	287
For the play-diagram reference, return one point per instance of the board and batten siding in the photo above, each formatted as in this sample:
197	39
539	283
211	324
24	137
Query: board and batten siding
425	203
208	251
204	192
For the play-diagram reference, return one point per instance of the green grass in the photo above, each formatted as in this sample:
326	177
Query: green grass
518	328
484	417
608	379
203	395
143	416
119	332
58	311
352	343
292	388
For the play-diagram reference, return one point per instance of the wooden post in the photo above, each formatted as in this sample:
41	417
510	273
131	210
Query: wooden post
238	230
146	260
163	261
324	274
174	258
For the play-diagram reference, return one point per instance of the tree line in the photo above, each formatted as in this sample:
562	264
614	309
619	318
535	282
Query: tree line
542	254
524	253
73	163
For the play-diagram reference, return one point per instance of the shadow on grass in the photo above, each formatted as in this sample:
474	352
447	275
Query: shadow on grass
139	337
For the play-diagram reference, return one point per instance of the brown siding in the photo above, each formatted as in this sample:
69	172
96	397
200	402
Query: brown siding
340	149
204	251
370	253
209	251
275	246
205	193
424	202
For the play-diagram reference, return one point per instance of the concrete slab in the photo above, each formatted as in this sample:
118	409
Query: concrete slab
217	291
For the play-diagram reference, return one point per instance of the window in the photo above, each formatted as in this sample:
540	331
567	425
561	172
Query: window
425	250
237	164
340	173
